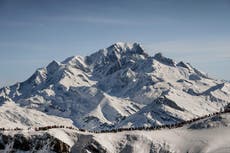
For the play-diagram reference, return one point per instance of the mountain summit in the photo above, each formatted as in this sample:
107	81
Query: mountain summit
119	86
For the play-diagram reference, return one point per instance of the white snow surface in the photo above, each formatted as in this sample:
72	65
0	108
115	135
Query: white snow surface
212	139
12	116
174	141
119	86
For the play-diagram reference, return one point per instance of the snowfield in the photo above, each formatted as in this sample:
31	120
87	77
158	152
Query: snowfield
13	116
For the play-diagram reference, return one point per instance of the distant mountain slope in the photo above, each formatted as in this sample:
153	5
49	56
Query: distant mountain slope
119	86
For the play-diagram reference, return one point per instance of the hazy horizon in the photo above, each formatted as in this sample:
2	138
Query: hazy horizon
33	33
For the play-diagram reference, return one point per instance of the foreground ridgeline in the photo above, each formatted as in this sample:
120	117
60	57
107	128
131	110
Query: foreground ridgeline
158	127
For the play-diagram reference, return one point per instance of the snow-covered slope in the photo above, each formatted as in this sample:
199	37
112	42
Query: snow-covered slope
119	86
209	139
32	142
14	116
180	140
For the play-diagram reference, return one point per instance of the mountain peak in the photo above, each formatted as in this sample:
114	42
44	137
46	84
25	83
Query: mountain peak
123	47
168	61
52	67
117	54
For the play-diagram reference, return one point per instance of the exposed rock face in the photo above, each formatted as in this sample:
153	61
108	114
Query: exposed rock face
159	57
32	143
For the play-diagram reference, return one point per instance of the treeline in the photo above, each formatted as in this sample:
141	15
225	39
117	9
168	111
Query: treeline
11	129
159	127
156	127
43	128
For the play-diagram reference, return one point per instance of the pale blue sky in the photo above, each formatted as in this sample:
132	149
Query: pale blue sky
33	33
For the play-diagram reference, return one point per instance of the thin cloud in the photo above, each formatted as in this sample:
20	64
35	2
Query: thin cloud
93	19
196	50
207	55
20	23
107	20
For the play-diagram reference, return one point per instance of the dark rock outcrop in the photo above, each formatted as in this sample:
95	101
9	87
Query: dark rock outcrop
20	142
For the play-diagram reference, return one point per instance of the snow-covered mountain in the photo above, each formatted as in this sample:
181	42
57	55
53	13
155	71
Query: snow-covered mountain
119	86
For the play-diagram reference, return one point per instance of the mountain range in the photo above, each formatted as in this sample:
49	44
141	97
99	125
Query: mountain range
116	87
67	106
